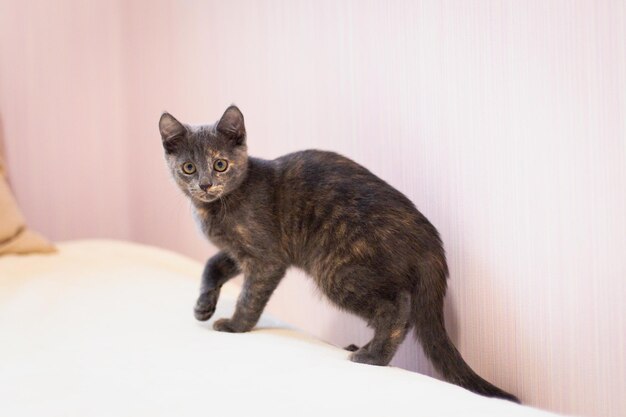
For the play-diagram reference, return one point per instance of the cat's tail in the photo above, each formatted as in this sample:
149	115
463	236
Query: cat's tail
430	330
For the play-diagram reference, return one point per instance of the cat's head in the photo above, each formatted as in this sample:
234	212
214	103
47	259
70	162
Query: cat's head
208	161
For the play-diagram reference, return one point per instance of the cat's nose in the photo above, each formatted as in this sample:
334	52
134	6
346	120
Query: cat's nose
205	186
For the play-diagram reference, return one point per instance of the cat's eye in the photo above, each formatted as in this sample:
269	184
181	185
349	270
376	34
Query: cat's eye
189	168
220	165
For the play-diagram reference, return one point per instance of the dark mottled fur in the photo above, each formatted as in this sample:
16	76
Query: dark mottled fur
364	243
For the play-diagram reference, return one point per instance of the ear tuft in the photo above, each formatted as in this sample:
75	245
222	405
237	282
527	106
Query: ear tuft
231	125
171	131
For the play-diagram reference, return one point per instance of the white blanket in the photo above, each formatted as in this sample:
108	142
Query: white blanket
106	329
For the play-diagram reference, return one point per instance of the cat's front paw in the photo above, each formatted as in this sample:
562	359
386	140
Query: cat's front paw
205	306
227	325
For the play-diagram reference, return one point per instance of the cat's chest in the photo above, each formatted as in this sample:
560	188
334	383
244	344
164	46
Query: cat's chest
235	235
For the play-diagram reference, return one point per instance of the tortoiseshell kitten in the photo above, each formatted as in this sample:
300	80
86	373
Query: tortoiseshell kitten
364	243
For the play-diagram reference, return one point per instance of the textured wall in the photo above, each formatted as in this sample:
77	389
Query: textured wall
63	116
505	122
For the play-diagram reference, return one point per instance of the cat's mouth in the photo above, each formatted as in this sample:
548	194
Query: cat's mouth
207	197
207	200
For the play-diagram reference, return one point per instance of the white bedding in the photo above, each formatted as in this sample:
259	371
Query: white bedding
106	328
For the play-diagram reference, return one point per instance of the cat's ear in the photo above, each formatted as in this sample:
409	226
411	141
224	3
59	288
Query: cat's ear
231	125
172	131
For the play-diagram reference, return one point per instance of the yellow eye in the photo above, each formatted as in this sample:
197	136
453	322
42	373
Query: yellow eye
220	165
189	168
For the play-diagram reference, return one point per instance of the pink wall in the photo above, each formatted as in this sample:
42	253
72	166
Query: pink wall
504	122
63	115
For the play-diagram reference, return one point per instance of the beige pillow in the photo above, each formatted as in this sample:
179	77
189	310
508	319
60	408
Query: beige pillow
15	237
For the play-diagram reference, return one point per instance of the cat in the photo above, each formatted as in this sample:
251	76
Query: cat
367	247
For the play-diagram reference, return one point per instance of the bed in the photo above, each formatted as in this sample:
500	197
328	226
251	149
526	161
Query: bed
106	328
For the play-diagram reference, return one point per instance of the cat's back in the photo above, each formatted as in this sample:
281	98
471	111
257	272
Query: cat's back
328	177
314	168
327	202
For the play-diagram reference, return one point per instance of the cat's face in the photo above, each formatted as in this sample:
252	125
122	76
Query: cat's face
209	161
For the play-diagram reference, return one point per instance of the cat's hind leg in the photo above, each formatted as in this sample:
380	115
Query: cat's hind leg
390	321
